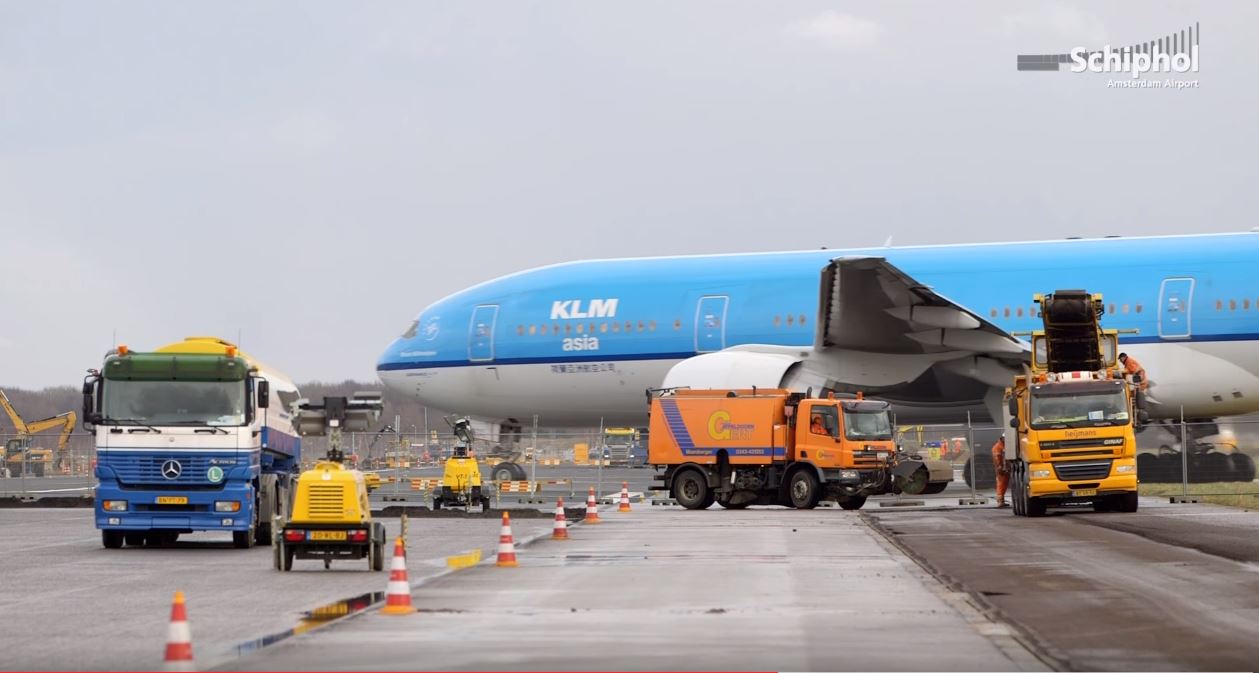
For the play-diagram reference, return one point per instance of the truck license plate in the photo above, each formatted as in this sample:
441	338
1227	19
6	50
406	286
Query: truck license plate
327	535
1084	492
172	500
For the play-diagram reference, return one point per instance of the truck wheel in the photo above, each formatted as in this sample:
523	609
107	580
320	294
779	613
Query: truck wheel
437	504
289	553
378	555
243	539
134	539
690	489
112	539
1016	489
1126	503
803	489
853	502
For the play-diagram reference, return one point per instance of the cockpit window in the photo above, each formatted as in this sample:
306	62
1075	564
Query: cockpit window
411	330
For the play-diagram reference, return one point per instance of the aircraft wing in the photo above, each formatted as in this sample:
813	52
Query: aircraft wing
880	331
868	305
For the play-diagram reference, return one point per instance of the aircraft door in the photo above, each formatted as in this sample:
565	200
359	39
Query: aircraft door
1175	302
710	324
481	333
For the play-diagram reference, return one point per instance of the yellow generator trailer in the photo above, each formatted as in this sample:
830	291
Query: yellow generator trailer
331	520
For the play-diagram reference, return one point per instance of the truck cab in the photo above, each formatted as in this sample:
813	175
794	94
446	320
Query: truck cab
186	441
1072	418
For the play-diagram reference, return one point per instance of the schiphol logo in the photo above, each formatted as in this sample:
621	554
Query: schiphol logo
573	308
1176	53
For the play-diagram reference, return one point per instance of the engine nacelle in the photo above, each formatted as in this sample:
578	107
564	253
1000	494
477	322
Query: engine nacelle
731	369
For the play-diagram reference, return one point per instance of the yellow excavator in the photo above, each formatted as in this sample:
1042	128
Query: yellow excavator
20	457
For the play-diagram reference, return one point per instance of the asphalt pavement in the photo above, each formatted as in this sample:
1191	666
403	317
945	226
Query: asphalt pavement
1172	587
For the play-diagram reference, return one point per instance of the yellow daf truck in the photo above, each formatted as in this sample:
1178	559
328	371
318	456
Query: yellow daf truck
1072	417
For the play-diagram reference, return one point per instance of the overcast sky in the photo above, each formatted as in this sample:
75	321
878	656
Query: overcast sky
312	174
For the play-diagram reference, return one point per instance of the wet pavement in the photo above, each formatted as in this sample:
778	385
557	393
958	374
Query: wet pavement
70	604
669	589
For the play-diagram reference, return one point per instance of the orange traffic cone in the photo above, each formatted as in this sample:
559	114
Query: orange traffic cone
561	524
592	509
506	548
179	638
398	591
624	498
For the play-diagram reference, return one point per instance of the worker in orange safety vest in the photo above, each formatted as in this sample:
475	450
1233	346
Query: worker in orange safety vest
1131	366
1003	473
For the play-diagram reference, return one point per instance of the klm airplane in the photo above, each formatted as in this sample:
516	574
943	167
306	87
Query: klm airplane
933	329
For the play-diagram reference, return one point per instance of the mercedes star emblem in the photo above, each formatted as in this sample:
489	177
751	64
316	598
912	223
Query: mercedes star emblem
171	469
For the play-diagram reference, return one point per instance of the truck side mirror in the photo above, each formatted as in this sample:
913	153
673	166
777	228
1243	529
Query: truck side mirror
90	417
88	403
264	393
1013	406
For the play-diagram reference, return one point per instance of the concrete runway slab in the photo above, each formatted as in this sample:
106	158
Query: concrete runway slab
69	604
668	589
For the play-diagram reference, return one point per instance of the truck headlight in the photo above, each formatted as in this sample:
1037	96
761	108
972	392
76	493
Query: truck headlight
1041	474
226	505
849	474
114	505
1120	469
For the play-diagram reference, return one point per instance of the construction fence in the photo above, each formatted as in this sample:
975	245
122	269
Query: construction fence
1174	458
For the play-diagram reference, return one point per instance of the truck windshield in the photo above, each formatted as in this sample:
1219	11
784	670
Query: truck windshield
174	402
1074	406
873	425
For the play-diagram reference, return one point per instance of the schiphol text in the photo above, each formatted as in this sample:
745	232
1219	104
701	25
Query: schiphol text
1137	63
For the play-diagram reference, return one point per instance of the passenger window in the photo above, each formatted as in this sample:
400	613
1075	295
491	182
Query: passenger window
801	321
